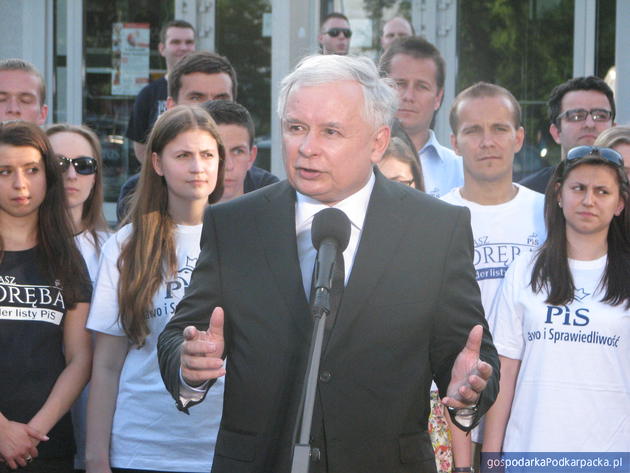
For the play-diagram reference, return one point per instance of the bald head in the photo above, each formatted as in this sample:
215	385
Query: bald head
395	28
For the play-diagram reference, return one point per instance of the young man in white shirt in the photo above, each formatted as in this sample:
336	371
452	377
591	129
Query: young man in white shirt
417	68
506	218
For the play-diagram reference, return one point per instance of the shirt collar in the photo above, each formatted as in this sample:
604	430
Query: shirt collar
354	206
431	147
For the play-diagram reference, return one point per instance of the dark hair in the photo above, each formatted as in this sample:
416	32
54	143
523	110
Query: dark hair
200	61
14	64
399	132
479	90
225	112
174	24
399	150
578	83
419	48
148	255
341	16
59	257
92	217
551	268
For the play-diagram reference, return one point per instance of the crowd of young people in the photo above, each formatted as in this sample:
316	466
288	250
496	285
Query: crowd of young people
83	303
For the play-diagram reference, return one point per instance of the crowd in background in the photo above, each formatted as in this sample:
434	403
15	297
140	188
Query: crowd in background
82	302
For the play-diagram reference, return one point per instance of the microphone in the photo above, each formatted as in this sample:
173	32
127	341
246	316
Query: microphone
330	234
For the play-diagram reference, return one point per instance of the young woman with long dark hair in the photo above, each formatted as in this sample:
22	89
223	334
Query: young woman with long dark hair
145	267
44	301
561	320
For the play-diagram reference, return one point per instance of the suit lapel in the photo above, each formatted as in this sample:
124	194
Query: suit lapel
382	230
276	225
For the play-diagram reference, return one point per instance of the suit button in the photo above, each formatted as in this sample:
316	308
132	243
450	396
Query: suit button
325	376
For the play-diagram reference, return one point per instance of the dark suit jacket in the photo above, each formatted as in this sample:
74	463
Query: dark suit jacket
407	309
539	181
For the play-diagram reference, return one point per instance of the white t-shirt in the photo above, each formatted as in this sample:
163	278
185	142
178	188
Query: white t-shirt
85	244
573	389
502	232
148	432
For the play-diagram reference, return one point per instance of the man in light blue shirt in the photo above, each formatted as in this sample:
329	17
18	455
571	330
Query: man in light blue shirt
417	68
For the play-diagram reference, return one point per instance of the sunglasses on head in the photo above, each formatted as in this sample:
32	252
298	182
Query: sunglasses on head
334	32
82	165
594	151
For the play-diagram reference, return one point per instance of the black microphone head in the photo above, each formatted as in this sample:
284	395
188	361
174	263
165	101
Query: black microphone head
331	223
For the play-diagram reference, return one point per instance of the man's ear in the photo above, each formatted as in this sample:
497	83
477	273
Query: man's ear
253	152
170	103
520	138
380	143
43	113
438	100
161	48
554	131
454	144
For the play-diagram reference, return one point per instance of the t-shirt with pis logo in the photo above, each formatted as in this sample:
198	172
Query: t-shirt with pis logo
32	315
148	432
573	388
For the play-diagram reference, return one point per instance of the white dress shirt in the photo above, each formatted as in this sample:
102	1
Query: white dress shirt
355	207
442	169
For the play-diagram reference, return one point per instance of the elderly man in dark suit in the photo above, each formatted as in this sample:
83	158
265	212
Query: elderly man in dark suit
410	311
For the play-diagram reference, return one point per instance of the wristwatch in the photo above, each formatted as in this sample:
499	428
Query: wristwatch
463	417
463	469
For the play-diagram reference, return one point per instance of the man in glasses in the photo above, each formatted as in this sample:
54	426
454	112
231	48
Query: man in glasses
417	68
579	110
335	34
22	92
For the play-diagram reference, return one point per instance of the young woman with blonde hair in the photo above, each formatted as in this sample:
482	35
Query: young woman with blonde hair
78	153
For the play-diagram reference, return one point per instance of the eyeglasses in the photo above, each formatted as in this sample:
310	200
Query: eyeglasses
82	165
580	114
334	32
588	151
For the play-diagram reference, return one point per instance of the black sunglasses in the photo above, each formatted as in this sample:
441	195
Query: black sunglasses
334	32
82	165
588	151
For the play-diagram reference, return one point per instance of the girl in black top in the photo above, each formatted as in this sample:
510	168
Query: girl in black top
44	301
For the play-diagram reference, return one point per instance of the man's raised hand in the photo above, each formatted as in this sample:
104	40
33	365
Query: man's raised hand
469	375
202	351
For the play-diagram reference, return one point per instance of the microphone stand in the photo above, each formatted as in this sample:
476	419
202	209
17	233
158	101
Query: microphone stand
302	452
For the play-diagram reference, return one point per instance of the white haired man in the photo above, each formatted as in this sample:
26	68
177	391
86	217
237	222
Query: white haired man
404	315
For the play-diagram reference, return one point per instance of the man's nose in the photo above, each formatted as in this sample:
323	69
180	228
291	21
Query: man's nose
308	146
13	105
